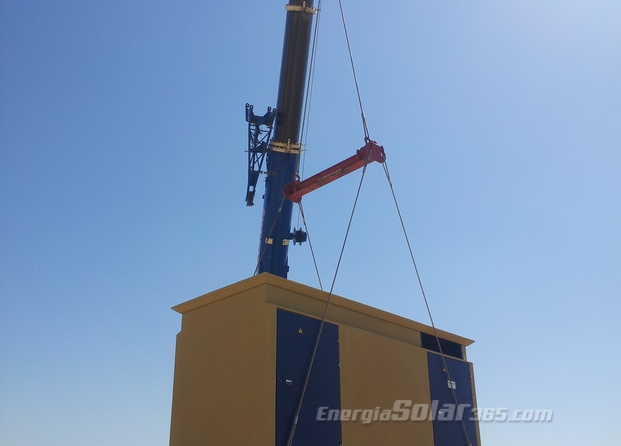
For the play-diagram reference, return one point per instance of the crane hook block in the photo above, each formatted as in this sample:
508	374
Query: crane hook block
296	189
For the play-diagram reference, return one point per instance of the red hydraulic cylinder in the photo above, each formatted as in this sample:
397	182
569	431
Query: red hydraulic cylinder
296	189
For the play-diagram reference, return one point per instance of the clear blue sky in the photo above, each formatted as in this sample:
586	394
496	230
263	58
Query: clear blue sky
123	175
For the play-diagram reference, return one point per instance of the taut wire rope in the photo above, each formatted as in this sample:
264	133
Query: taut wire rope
310	244
353	69
422	289
325	311
308	96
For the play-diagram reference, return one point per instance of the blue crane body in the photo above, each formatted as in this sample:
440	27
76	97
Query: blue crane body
282	152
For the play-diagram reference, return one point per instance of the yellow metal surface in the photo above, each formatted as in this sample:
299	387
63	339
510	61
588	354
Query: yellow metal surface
224	386
376	371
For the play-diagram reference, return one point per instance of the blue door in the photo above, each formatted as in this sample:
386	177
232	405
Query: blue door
296	336
447	427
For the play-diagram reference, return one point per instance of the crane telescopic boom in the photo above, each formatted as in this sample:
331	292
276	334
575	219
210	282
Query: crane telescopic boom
283	151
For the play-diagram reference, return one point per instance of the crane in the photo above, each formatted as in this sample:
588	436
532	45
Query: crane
280	153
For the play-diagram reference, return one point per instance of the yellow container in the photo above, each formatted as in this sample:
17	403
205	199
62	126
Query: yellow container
226	382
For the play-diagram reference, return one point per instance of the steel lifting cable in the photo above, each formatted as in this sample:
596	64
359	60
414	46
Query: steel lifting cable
353	69
422	289
308	95
325	311
310	245
366	133
311	75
